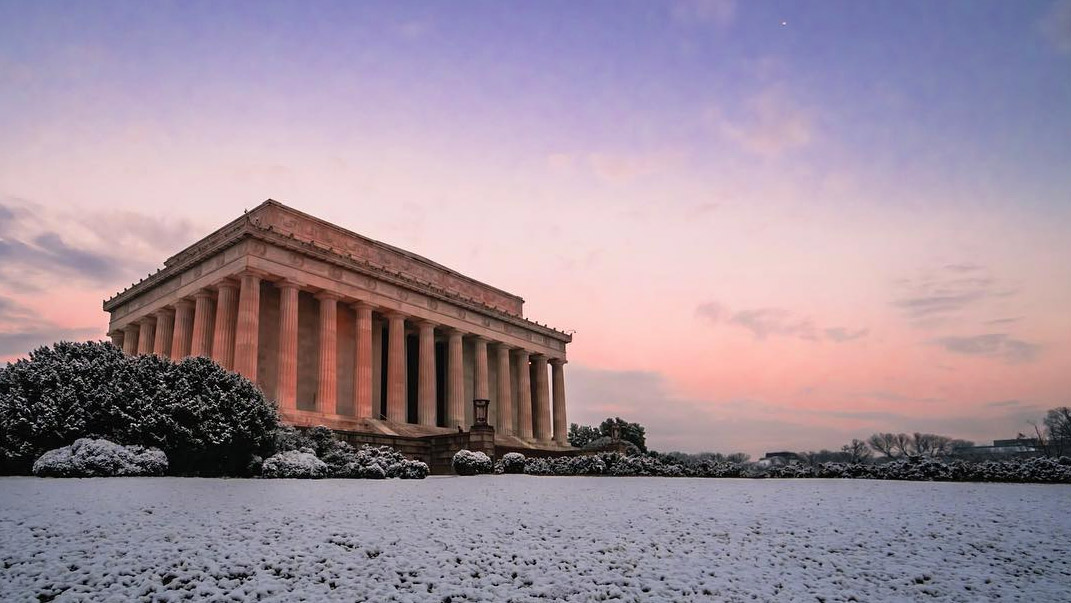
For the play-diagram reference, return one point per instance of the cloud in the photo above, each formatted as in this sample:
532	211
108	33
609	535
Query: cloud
1055	26
101	248
1004	403
770	124
991	345
22	330
933	299
766	322
614	168
713	12
840	334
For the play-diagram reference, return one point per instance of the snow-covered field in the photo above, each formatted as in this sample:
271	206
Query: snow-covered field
521	538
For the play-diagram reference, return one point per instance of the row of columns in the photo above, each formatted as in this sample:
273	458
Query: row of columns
225	326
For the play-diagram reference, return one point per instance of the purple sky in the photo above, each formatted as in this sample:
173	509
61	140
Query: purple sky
773	225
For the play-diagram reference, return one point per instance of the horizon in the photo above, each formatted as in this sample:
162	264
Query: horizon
772	226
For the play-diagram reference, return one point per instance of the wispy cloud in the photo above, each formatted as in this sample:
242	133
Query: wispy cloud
766	322
613	167
701	12
99	248
770	123
1055	26
991	345
22	329
934	298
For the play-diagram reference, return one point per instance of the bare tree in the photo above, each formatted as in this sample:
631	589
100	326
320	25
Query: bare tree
1058	430
884	443
903	444
856	452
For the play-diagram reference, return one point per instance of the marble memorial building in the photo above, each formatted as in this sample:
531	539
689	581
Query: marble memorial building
351	333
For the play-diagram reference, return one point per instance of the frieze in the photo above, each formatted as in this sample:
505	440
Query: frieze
344	243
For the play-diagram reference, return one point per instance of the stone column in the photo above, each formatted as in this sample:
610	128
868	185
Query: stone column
117	338
247	339
165	331
503	393
561	425
180	343
396	394
327	388
130	339
202	323
482	389
455	380
362	360
426	393
226	316
542	424
286	382
524	396
146	334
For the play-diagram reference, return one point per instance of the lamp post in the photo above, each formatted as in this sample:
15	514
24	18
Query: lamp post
480	410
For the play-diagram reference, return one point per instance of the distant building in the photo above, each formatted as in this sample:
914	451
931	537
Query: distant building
779	458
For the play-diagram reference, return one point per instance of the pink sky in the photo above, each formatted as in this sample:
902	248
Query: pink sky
756	251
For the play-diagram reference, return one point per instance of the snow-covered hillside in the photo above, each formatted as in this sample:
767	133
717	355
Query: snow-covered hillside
523	538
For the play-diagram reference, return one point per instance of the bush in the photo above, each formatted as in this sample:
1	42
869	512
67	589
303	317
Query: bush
413	470
344	461
100	458
466	462
206	419
1032	470
294	464
512	462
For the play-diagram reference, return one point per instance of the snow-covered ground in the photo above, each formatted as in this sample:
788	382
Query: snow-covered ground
521	538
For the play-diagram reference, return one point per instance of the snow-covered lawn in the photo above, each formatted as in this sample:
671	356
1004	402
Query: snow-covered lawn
522	538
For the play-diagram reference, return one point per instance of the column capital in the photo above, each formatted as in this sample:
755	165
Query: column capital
287	283
362	305
147	319
328	295
204	293
183	303
522	352
164	311
558	362
395	314
226	283
501	345
260	274
481	338
423	323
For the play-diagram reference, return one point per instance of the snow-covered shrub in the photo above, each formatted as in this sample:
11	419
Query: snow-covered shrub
287	437
512	462
413	470
100	458
467	462
294	464
206	419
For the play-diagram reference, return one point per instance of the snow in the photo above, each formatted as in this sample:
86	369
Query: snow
87	457
295	463
525	538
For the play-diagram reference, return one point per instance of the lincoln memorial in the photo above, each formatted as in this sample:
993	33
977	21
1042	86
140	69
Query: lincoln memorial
351	333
